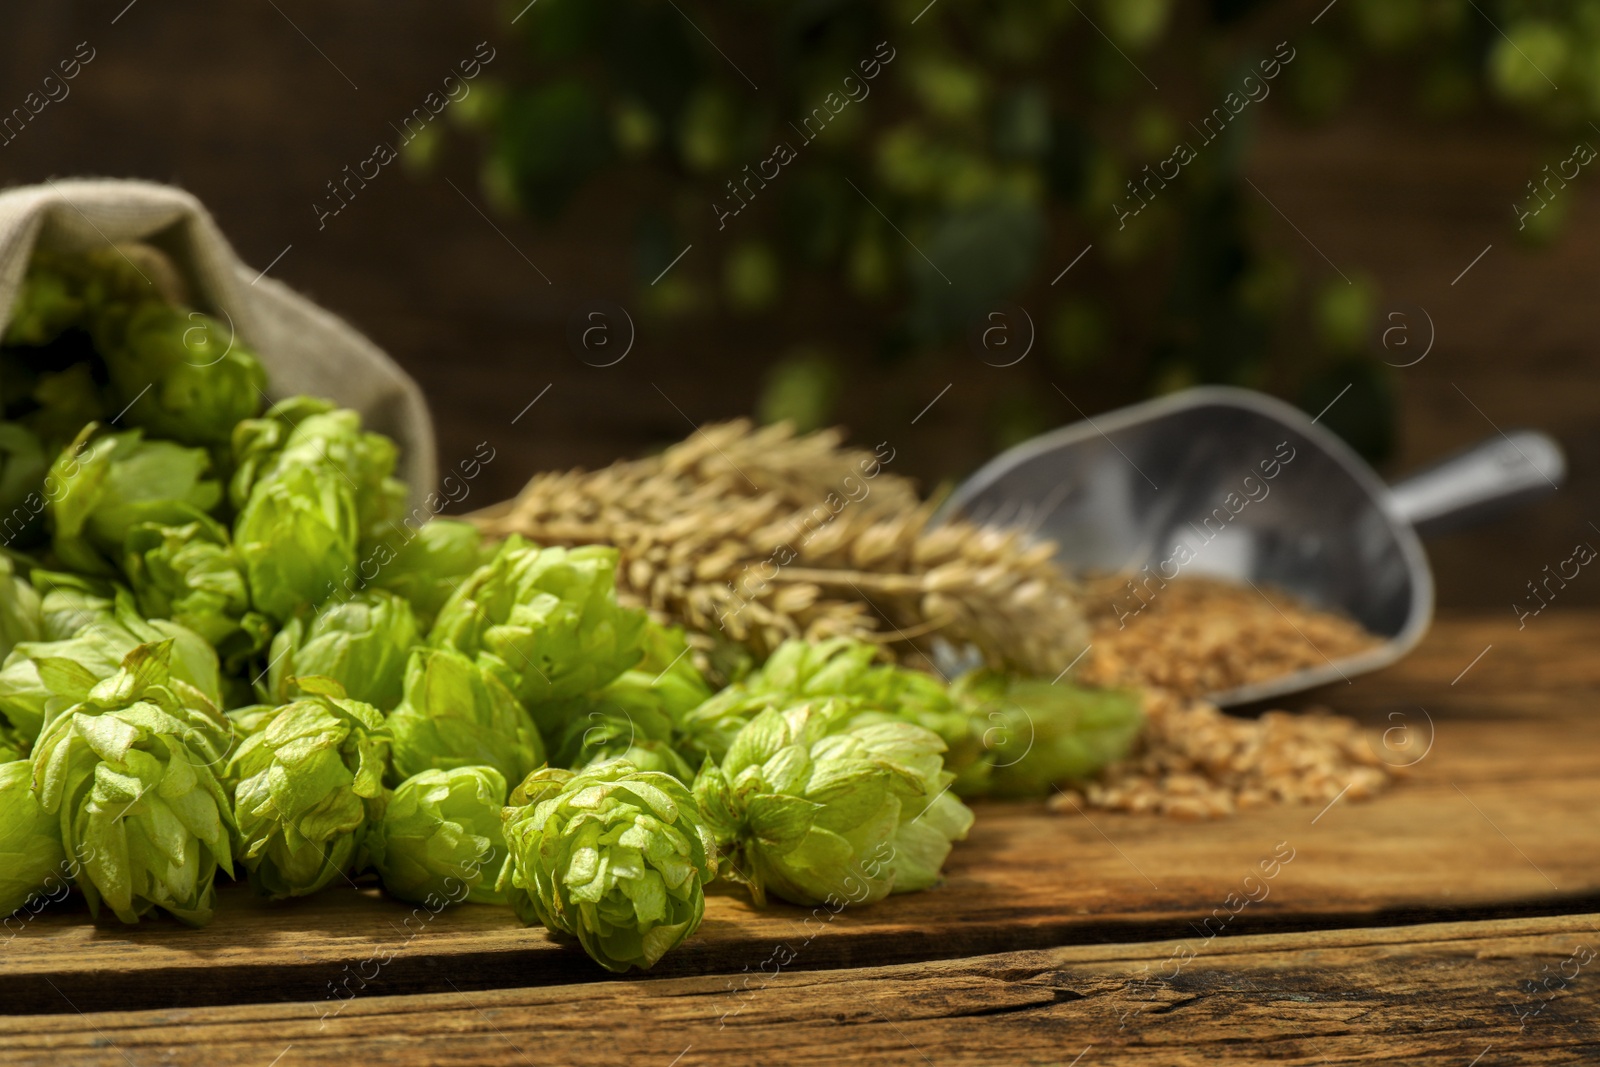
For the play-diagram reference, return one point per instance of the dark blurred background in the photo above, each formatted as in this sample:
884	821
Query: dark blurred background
1320	242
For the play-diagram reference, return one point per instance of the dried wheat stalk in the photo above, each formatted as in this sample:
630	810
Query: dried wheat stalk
761	535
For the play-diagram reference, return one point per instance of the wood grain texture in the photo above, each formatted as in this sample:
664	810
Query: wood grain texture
1496	820
1435	994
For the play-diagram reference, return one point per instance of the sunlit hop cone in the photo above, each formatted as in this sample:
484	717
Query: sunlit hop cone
69	602
441	840
546	620
1034	733
456	714
612	855
310	487
297	537
361	642
310	782
1004	735
425	564
132	775
110	483
635	716
191	575
638	732
843	670
815	810
304	433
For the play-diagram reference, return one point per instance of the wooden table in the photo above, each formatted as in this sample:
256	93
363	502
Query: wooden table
1454	920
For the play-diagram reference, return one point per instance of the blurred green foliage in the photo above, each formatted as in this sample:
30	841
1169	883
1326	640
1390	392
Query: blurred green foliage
988	149
800	388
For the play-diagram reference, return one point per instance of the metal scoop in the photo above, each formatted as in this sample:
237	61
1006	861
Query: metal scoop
1234	484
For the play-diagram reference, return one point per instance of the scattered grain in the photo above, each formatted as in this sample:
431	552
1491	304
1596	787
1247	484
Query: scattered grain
1193	761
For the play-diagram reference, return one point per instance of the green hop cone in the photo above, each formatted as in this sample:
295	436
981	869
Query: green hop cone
258	442
1035	733
30	839
250	719
368	459
297	537
132	775
925	701
546	620
192	575
21	610
456	714
183	375
804	669
615	728
112	483
634	717
615	856
441	838
666	676
310	783
72	601
307	434
708	730
426	566
840	669
41	679
813	808
361	643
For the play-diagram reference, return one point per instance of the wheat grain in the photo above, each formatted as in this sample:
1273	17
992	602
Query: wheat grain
1193	761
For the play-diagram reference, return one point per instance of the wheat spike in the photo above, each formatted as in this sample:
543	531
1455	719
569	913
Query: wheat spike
761	535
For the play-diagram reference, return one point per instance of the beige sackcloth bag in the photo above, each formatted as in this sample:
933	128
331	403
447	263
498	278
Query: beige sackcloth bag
304	348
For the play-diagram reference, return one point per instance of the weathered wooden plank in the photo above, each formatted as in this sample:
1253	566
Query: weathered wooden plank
1496	820
1487	993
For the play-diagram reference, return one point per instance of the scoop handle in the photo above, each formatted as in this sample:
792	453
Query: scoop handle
1494	476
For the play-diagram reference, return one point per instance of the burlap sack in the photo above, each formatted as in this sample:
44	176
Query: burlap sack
304	348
